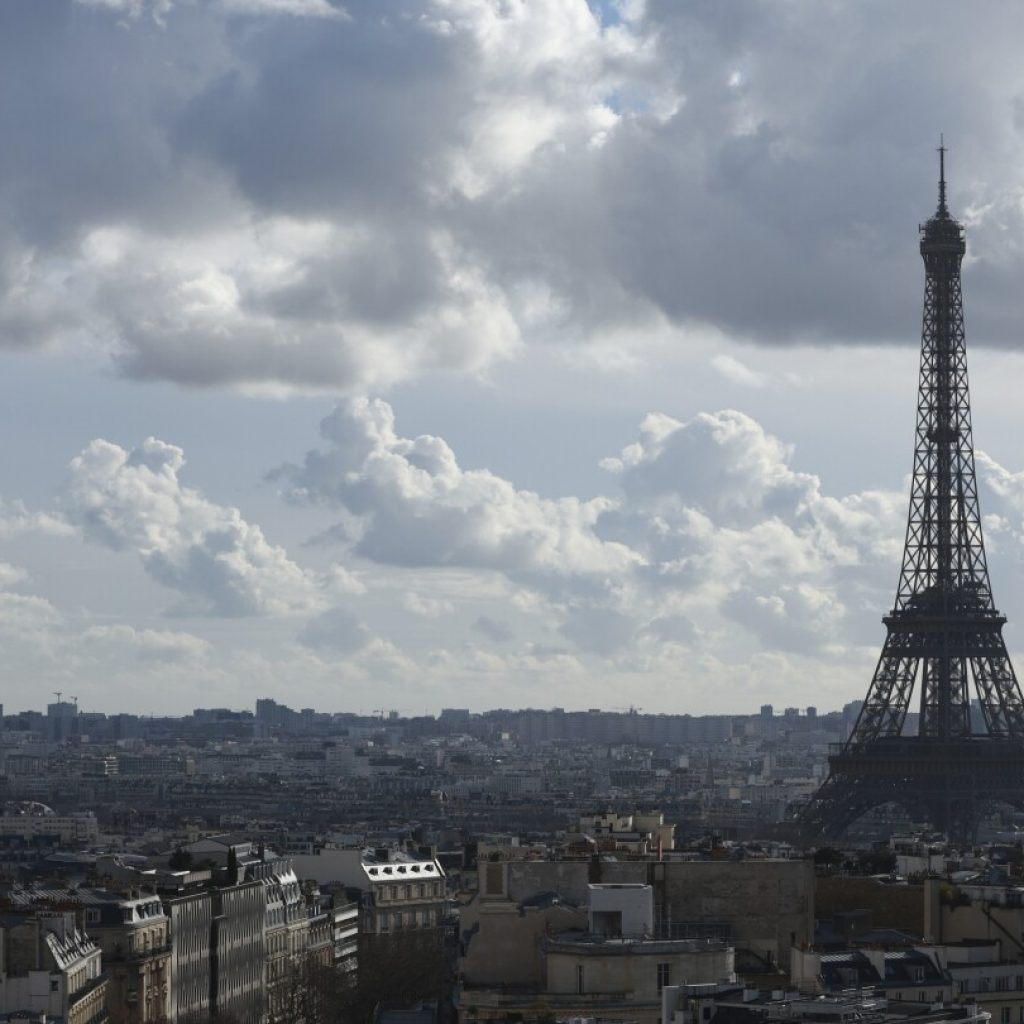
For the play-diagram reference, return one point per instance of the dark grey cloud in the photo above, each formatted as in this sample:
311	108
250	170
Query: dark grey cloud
676	629
345	116
800	618
603	631
495	631
255	192
337	630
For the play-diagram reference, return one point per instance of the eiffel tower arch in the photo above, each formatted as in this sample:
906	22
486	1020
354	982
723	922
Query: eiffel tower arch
944	637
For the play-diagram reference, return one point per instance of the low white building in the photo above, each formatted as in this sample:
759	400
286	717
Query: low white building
621	911
35	819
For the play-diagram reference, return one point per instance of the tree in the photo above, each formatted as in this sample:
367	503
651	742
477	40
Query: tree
397	970
180	860
310	992
827	856
876	862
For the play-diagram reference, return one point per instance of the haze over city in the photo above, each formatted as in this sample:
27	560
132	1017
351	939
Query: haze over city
485	355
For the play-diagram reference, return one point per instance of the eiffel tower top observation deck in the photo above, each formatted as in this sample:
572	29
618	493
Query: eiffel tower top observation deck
944	633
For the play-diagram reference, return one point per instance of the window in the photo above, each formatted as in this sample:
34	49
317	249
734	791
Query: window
54	984
1004	1015
919	974
1002	984
921	996
495	879
1020	982
664	971
580	988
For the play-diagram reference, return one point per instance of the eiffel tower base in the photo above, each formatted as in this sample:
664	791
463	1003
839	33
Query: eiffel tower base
947	783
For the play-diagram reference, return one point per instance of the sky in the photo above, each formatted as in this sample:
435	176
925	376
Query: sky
409	354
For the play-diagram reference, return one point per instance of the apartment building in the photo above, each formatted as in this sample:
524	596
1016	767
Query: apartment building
602	960
133	933
50	967
402	889
31	818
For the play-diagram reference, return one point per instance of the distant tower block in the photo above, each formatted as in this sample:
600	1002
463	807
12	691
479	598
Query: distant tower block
944	634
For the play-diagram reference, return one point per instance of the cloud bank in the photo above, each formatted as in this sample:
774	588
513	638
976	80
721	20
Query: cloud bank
296	194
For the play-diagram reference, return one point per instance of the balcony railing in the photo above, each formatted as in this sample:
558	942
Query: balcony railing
121	956
607	945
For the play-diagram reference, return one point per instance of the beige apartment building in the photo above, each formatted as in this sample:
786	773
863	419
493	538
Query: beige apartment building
764	906
545	957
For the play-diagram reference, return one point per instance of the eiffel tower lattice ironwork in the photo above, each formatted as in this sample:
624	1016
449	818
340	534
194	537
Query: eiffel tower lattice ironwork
944	631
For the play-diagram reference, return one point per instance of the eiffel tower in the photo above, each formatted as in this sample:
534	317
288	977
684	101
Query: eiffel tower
944	634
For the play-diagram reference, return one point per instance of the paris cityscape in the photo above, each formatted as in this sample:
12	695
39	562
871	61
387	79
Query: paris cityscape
495	521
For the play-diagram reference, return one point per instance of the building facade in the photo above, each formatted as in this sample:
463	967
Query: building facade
50	967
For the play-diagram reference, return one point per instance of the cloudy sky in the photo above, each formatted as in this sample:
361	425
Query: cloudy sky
421	353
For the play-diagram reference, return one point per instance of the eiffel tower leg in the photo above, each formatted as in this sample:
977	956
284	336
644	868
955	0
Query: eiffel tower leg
959	817
838	804
888	699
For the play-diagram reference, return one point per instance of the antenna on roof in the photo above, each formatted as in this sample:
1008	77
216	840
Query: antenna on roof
942	177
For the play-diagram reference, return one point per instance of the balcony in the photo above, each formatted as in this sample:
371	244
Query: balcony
592	944
120	956
510	997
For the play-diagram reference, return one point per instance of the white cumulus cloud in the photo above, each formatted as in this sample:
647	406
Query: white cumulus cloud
418	507
133	500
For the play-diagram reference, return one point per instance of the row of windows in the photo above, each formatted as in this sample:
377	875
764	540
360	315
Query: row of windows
408	892
663	977
1002	984
398	919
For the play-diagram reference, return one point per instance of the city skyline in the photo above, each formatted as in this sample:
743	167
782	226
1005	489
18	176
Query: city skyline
485	355
66	703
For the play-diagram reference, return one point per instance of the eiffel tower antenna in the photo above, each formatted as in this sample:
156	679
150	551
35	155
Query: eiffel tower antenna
944	635
943	211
